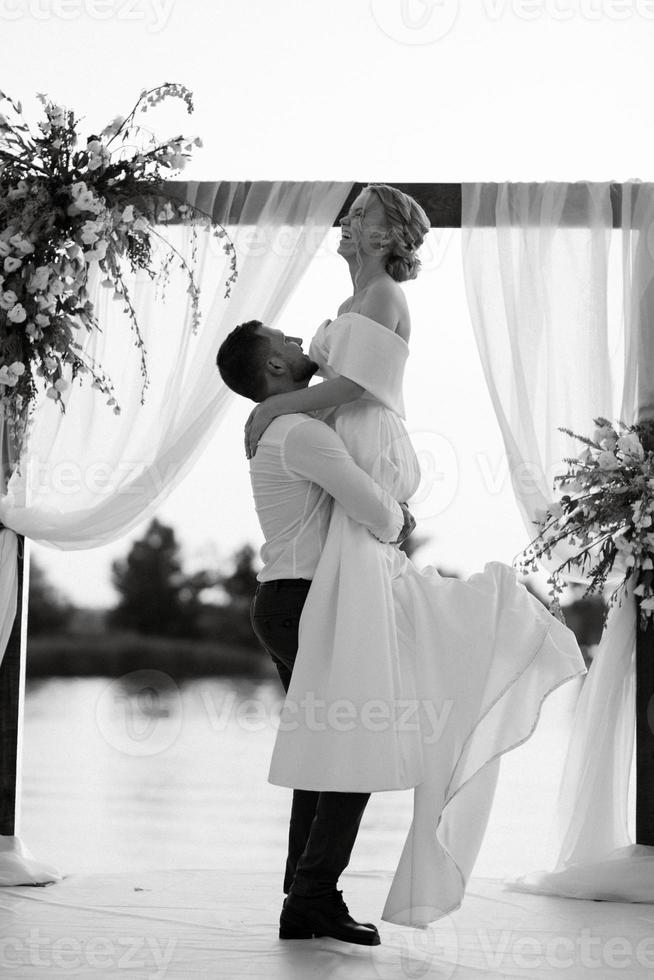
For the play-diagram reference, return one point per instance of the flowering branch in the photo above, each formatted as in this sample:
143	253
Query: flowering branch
64	210
611	513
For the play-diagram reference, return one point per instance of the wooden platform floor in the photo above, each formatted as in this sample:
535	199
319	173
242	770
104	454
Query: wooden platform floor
181	924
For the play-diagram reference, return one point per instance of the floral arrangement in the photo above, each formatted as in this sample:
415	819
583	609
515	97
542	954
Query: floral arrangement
609	513
67	206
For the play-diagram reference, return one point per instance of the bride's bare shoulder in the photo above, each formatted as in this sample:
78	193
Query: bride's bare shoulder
385	302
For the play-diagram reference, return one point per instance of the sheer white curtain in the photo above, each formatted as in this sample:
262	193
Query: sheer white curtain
89	476
536	263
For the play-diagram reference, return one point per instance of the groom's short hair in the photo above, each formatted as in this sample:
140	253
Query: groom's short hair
241	358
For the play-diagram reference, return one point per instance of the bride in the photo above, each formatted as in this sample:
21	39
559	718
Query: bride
442	675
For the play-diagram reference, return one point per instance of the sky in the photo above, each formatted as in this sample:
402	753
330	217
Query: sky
392	90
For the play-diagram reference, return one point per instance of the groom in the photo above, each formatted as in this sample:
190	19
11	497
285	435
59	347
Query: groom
300	467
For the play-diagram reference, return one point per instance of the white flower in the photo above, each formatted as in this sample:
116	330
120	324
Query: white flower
42	320
647	563
98	253
39	279
8	299
32	331
48	301
113	126
621	542
128	214
57	115
607	461
11	263
97	160
647	603
605	432
84	199
17	192
89	202
52	393
21	243
17	313
631	445
166	213
9	374
140	225
79	187
49	363
61	384
90	232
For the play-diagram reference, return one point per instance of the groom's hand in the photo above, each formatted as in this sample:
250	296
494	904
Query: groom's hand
408	527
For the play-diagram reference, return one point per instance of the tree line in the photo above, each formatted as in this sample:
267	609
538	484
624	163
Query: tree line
156	597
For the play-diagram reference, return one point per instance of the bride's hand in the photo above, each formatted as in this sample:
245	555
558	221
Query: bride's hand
258	421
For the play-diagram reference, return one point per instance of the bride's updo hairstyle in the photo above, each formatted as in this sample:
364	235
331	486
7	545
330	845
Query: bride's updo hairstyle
408	224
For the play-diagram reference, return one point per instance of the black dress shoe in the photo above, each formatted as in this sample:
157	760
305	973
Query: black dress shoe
371	925
306	917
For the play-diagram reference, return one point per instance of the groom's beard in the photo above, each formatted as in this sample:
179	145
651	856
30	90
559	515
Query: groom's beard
304	370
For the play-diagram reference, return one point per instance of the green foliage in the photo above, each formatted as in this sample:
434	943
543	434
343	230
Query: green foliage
241	584
48	611
230	622
156	597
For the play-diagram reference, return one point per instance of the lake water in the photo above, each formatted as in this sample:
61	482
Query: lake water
142	773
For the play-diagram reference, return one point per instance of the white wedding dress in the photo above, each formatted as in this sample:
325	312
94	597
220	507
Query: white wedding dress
434	677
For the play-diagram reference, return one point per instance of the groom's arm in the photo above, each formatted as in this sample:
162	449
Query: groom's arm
315	452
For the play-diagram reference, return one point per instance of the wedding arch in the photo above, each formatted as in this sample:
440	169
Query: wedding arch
536	270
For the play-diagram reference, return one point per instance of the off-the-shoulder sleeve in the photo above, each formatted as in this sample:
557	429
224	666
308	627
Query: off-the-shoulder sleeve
358	348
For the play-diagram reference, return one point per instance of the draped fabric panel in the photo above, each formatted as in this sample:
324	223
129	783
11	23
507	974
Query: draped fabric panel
540	270
89	476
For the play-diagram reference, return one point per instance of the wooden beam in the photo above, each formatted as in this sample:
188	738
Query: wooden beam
12	696
645	662
442	202
644	731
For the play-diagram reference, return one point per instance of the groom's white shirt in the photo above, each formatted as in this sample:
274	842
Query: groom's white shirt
301	465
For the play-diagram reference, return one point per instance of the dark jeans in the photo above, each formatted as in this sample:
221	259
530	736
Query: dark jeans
323	825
